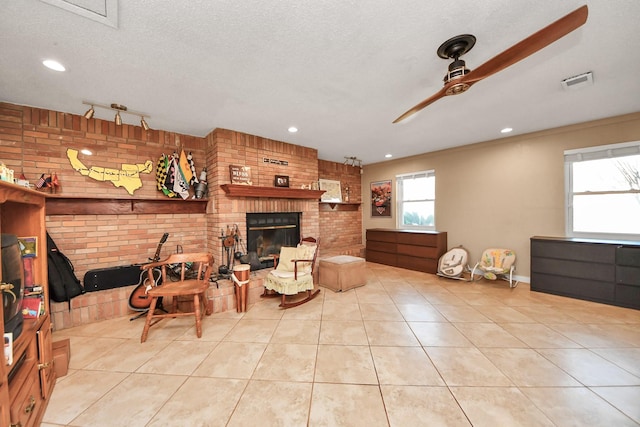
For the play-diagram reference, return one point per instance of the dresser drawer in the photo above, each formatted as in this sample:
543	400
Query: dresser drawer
573	287
628	275
420	239
27	401
576	251
381	246
381	257
381	236
574	269
418	251
628	256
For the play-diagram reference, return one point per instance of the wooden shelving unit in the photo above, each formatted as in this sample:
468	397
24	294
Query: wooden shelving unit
57	205
238	190
25	386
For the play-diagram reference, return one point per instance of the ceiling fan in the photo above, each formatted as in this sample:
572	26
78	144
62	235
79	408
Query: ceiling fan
459	78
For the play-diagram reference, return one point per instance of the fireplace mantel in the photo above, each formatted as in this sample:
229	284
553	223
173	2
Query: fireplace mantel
238	190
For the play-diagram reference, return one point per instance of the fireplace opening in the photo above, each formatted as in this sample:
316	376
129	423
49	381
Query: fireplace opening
267	232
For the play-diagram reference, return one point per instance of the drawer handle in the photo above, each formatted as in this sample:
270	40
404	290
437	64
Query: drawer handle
44	365
32	404
17	425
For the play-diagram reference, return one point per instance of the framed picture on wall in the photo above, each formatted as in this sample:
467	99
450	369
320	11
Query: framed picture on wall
381	198
281	181
332	191
240	174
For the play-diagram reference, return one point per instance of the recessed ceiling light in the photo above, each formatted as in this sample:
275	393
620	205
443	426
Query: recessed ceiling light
506	130
388	156
53	65
293	129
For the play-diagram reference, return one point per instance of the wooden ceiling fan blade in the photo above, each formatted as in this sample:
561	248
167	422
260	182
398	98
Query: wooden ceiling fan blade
433	98
530	45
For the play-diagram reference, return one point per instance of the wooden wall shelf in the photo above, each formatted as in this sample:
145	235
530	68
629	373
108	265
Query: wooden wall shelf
345	207
237	190
56	205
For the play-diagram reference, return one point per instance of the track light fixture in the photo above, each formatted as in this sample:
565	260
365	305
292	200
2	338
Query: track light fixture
119	109
90	112
352	161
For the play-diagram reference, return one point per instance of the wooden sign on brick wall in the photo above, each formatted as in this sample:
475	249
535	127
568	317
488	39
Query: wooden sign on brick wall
240	174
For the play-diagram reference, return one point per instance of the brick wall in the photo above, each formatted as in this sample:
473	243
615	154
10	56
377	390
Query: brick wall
236	148
34	141
341	230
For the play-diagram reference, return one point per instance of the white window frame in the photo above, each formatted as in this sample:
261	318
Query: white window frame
593	153
399	200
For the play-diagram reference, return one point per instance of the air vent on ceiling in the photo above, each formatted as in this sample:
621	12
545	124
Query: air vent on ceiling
102	11
577	82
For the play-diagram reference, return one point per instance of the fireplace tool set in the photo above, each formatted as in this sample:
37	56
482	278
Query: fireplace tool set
232	249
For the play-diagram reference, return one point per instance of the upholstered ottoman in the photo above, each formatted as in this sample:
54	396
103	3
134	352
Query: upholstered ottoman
342	272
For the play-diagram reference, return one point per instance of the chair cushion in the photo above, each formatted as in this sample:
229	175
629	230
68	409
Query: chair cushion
300	252
286	255
497	260
305	252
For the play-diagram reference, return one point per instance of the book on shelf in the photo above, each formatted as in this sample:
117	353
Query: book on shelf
31	307
28	271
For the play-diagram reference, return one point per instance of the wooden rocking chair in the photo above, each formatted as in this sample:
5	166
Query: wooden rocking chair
293	273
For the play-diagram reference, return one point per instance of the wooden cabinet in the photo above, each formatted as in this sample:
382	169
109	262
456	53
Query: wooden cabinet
603	271
413	250
26	385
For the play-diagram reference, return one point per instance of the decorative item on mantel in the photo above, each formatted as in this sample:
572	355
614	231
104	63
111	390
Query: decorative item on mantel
281	181
240	175
333	193
6	174
201	187
51	182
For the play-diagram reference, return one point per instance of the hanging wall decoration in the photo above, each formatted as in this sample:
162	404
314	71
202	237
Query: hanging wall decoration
381	198
128	176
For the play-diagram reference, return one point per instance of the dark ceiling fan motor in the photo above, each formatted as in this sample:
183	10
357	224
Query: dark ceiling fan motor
454	48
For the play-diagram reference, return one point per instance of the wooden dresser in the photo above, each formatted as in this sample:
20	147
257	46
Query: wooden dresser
410	249
26	385
596	270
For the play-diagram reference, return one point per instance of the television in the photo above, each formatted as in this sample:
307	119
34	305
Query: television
12	273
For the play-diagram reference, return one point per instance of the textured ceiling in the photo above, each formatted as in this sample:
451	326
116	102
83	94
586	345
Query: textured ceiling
339	70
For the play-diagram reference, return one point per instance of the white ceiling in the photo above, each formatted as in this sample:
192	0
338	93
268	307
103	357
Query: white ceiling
339	70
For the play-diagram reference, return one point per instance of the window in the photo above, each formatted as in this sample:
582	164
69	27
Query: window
416	200
603	191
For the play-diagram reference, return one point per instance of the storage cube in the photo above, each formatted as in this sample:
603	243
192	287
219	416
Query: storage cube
342	272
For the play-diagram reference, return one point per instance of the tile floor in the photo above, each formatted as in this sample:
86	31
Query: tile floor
407	349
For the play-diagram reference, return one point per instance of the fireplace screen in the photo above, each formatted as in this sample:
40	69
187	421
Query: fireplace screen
268	232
